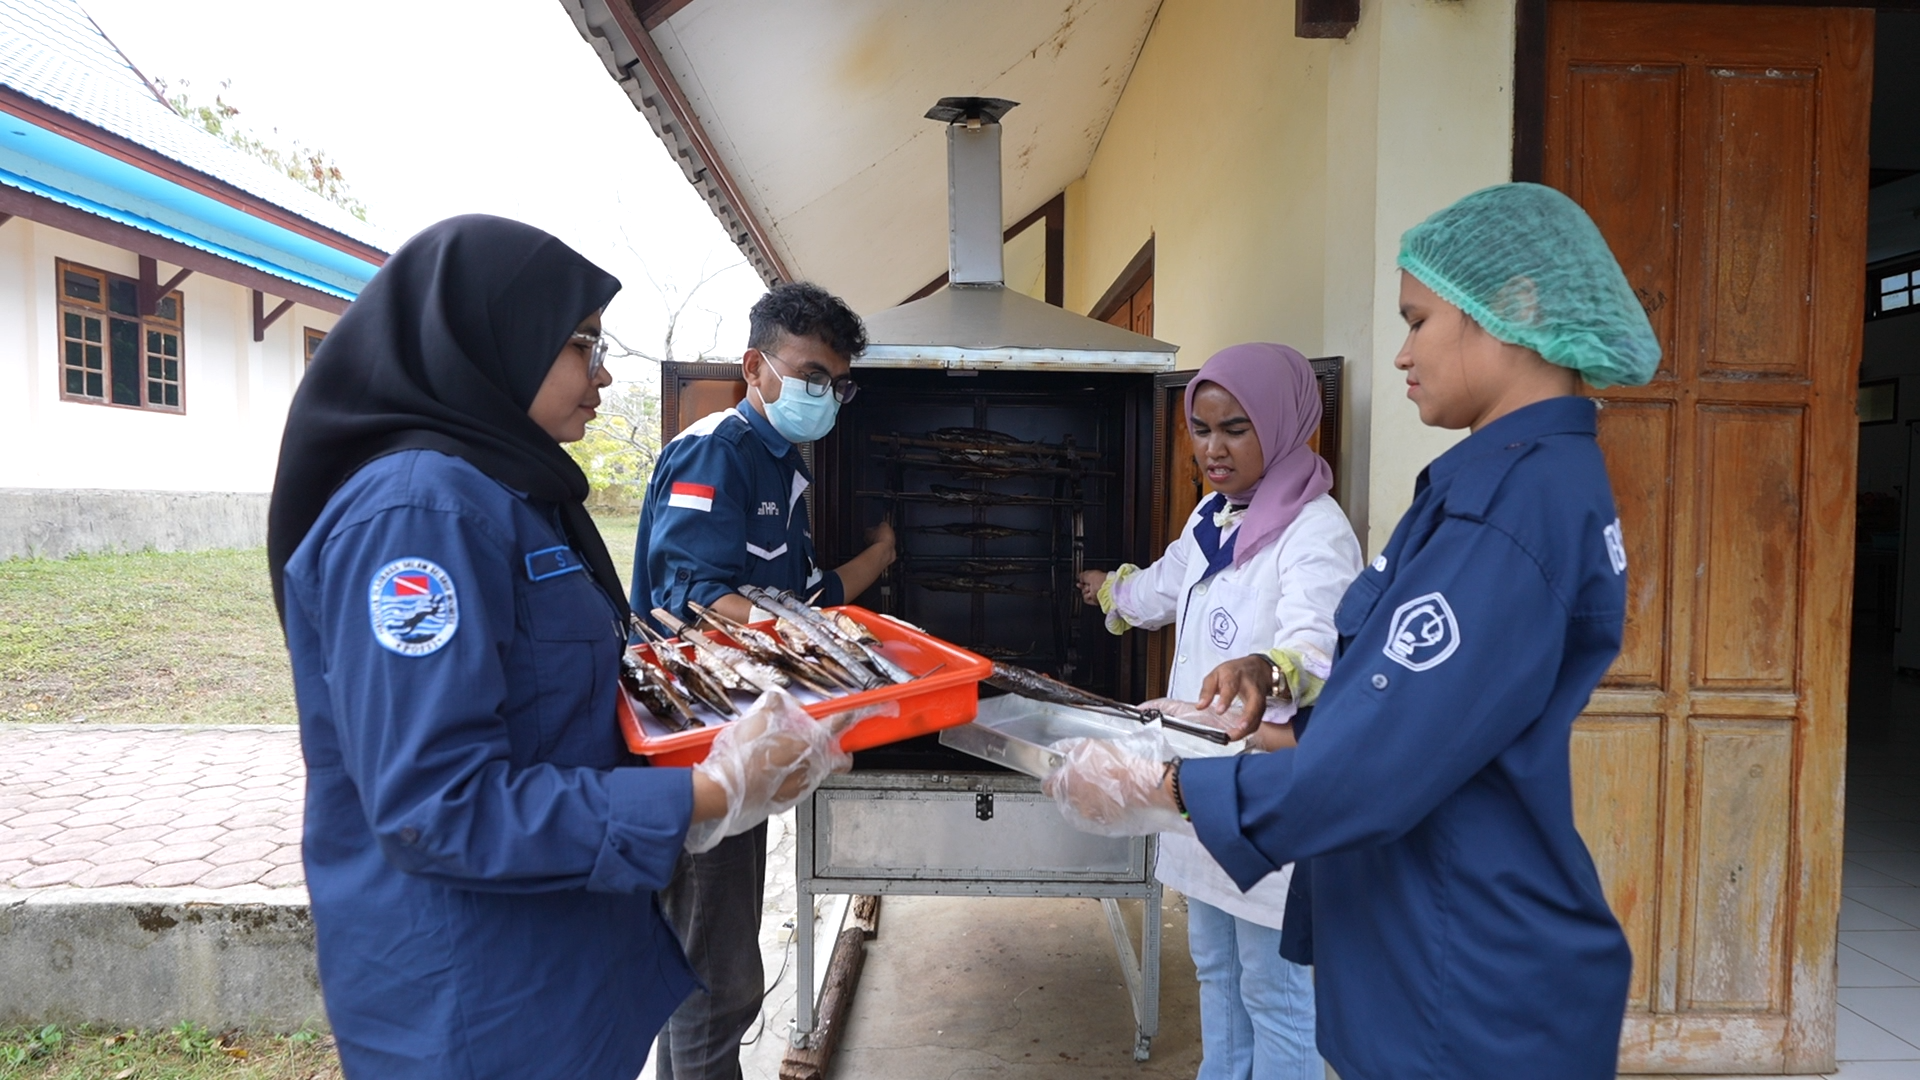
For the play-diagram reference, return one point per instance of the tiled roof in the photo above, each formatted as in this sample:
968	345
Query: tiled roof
53	52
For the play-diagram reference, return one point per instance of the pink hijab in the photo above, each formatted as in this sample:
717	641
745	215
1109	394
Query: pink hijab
1276	387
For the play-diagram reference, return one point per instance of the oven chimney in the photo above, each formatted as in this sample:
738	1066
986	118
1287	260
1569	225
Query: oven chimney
974	242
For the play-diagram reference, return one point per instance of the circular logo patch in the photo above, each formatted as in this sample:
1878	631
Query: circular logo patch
413	607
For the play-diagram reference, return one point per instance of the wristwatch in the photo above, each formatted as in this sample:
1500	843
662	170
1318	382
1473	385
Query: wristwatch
1277	690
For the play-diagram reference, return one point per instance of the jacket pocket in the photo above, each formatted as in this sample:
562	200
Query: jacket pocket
569	631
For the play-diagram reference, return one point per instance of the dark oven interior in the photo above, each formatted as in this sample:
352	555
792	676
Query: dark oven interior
1000	487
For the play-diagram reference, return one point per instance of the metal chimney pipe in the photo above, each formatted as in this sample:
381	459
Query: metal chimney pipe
974	242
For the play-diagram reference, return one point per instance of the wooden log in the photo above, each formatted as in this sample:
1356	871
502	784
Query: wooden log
843	977
866	915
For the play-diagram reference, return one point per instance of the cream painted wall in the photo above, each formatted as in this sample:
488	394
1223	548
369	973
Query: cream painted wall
1215	151
236	391
1276	175
1423	93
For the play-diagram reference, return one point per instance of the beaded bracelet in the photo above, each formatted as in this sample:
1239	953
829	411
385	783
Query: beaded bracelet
1179	800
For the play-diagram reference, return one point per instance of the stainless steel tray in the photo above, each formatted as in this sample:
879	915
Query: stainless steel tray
1016	732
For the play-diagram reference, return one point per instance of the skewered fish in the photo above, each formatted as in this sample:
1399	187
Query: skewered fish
987	566
809	623
816	655
768	649
961	583
856	634
976	530
729	666
655	689
849	652
970	497
700	685
1000	652
1032	684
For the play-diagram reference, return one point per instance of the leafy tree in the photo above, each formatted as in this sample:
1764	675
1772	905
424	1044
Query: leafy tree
312	169
621	446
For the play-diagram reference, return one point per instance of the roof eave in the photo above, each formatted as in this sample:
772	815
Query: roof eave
72	127
633	59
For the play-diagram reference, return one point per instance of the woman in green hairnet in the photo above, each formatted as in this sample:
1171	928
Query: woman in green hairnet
1458	927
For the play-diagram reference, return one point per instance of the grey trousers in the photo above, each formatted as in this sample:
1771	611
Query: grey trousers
714	903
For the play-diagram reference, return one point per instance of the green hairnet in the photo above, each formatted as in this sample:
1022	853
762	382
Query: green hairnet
1528	265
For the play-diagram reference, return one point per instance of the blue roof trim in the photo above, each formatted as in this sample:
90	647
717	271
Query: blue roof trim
14	180
60	168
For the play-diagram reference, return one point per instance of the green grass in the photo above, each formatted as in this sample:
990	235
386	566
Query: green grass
617	528
160	637
186	1052
181	637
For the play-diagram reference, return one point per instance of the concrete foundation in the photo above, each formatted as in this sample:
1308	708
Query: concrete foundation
150	958
56	522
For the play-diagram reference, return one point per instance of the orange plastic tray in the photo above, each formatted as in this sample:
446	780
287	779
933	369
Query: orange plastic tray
944	699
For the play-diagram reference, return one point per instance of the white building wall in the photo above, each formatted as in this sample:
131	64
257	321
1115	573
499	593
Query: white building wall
235	391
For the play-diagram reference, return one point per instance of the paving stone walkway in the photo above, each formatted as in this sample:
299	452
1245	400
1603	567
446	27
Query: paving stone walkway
152	804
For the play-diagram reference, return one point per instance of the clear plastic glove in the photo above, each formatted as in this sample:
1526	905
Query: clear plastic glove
1114	787
766	761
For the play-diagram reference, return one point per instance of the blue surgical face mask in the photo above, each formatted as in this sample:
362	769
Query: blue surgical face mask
798	416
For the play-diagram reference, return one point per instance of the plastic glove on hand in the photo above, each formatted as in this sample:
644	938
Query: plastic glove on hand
1113	787
767	761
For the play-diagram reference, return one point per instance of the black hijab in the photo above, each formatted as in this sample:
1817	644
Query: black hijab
444	350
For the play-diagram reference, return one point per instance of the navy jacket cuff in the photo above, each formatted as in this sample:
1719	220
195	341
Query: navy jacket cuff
833	592
1211	790
648	814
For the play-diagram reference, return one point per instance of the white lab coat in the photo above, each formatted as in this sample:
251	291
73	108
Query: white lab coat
1282	598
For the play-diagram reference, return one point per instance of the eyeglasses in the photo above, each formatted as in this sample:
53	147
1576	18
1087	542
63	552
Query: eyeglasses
596	349
819	382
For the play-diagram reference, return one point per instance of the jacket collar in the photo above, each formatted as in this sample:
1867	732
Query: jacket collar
1569	415
776	443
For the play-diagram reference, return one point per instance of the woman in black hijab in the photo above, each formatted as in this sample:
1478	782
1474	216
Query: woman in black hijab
480	864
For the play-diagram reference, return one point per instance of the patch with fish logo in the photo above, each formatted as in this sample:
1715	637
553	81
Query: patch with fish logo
413	607
1423	633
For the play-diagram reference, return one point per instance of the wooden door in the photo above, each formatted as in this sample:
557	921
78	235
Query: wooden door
691	391
1723	152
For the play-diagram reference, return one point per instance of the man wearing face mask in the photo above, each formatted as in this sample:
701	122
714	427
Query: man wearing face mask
726	508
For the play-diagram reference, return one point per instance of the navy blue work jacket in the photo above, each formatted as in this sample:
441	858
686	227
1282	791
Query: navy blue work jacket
1459	928
481	869
726	507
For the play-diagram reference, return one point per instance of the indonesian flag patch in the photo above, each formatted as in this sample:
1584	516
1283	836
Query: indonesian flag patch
692	497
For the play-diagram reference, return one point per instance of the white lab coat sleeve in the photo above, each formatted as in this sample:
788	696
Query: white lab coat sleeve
1150	598
1318	558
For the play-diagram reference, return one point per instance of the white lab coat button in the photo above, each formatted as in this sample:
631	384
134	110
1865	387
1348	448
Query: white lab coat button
1183	659
1200	591
1379	682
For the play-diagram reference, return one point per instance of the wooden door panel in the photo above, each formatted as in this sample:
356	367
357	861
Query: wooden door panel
1761	125
1722	152
1637	439
1616	808
1738	801
1632	113
1749	548
1140	317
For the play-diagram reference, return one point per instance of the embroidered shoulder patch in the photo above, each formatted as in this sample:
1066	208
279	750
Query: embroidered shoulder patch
1423	633
691	496
413	607
1616	546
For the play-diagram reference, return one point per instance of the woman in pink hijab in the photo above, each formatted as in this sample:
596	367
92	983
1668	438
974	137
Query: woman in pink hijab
1250	586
